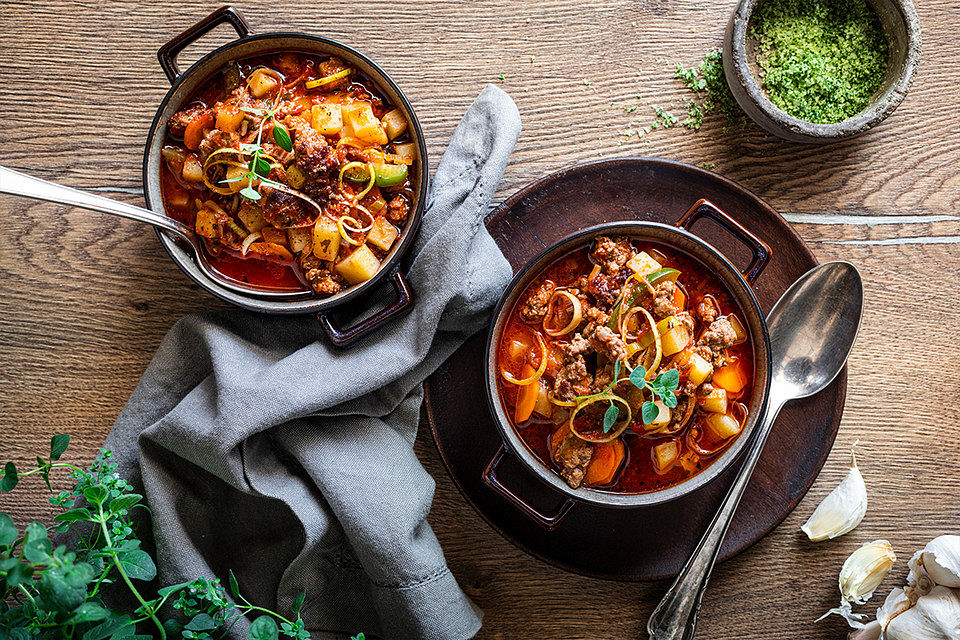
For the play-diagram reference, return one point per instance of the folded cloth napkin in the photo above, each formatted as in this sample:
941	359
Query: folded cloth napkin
262	449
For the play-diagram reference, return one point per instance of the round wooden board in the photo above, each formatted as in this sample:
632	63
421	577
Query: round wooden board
643	543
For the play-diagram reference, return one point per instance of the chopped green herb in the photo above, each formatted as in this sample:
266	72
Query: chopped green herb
708	81
630	109
501	77
821	60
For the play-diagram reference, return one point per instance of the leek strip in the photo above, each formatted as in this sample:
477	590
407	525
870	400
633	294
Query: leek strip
604	437
537	374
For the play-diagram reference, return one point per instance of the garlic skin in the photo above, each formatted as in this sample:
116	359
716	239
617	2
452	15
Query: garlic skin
842	510
860	576
935	616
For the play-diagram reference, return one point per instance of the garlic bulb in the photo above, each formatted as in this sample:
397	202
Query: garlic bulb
842	510
860	576
928	607
935	616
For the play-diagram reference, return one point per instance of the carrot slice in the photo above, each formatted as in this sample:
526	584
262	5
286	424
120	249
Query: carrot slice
730	378
606	461
526	396
193	134
679	299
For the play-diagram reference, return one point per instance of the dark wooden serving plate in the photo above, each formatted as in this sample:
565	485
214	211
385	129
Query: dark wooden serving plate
652	542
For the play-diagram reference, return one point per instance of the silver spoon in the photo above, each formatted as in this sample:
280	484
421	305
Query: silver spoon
812	329
19	184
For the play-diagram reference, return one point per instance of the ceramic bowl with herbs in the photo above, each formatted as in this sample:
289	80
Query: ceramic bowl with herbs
821	70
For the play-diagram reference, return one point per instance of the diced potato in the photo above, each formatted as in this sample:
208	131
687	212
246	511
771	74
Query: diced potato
235	172
305	104
698	369
715	401
326	239
327	118
383	234
642	264
543	405
675	339
251	217
394	123
229	117
518	350
359	266
261	83
662	419
363	124
722	425
300	239
407	150
295	176
273	235
192	169
665	455
207	225
177	197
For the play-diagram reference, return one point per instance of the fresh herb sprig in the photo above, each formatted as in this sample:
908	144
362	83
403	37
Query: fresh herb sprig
662	386
259	167
48	592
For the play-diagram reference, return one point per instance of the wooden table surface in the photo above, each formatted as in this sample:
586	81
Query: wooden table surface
86	298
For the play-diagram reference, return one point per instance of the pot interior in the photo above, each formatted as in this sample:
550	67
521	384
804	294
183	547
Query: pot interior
206	68
709	259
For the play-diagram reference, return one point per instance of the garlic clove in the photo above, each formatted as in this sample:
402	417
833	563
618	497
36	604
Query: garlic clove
896	603
869	631
842	510
935	616
941	559
860	576
863	571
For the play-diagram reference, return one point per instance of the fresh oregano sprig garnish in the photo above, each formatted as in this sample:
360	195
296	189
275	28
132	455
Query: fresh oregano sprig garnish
258	168
53	593
662	387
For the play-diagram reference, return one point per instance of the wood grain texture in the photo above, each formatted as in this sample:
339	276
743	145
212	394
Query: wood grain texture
86	299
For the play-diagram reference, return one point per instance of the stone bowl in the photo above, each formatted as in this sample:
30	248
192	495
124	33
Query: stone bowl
902	28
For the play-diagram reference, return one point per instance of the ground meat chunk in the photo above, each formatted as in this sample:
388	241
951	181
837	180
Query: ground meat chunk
178	122
605	341
319	277
573	457
573	379
216	139
535	307
595	317
398	209
314	155
663	299
606	288
718	336
707	310
687	320
578	345
284	210
612	253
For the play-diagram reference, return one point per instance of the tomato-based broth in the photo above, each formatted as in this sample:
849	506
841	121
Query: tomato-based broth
296	172
626	367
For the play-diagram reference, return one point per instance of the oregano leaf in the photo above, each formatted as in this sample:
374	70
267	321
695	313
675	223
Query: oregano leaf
669	379
58	445
96	494
637	377
234	587
201	622
282	138
36	544
250	193
669	399
610	416
10	477
139	565
8	530
298	603
649	412
125	501
74	515
263	628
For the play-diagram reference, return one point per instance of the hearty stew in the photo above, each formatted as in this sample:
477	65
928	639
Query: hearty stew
626	367
296	172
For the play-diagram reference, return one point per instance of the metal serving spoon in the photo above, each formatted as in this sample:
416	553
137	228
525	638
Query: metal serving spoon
19	184
812	329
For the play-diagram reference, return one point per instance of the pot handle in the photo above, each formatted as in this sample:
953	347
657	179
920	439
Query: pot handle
347	337
760	249
167	54
548	521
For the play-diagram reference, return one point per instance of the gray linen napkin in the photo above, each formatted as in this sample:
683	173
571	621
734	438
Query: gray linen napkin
264	450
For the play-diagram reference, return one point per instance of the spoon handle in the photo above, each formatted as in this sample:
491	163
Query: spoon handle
19	184
675	618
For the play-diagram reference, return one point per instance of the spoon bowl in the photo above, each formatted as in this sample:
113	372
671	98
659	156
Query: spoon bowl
813	327
805	354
